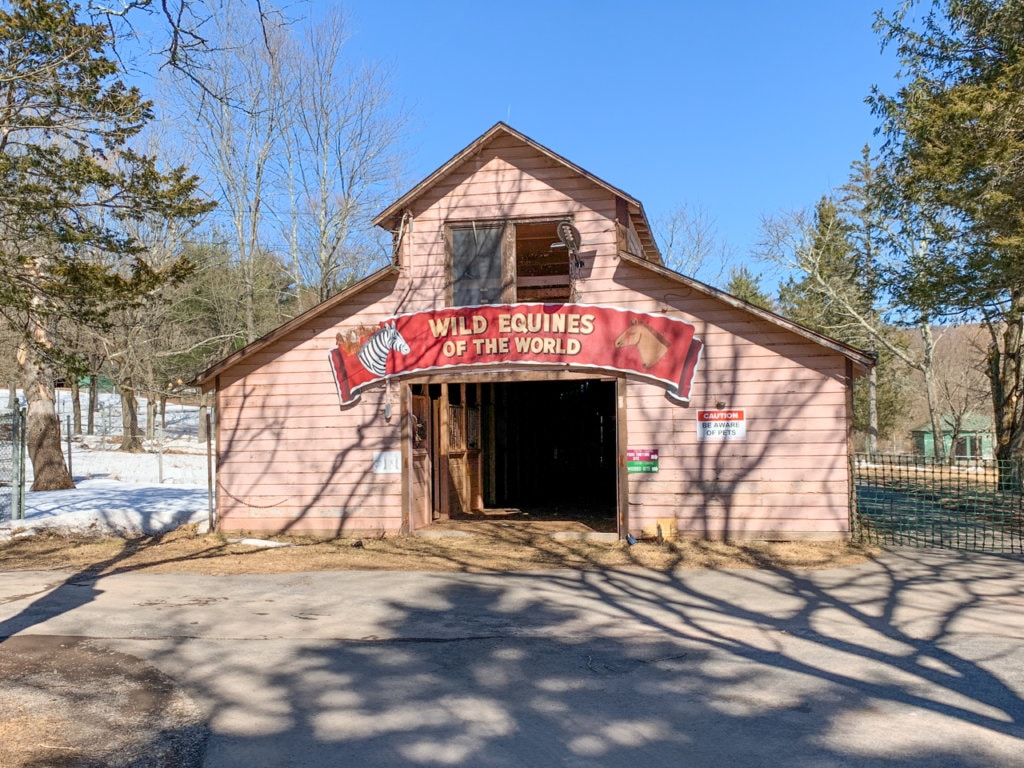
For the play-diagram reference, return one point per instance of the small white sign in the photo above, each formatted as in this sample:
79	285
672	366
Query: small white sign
387	462
726	424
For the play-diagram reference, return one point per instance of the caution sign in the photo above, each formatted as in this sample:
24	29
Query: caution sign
722	425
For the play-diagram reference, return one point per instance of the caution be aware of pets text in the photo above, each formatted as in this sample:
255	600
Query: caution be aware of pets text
722	424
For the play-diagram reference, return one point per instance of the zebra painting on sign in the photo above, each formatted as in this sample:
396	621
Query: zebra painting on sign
353	372
374	352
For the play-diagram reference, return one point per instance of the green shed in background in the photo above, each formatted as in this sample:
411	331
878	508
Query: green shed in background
975	437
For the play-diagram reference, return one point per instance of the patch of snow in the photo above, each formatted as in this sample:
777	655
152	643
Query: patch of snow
264	543
122	493
178	468
111	507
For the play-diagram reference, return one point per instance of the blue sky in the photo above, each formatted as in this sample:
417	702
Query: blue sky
742	109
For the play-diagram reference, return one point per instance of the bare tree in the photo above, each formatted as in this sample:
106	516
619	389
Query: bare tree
963	388
132	337
238	134
691	245
804	244
340	146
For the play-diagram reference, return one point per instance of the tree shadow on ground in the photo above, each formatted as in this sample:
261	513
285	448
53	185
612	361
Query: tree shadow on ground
903	663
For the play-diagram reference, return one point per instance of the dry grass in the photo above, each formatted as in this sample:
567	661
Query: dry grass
491	547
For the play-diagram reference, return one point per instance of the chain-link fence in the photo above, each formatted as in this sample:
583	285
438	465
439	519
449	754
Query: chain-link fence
975	505
12	464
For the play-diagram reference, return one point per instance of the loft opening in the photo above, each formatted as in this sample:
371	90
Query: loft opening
504	262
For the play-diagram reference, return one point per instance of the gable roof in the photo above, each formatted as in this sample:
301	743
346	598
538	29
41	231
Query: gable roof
205	378
864	360
637	216
858	357
650	260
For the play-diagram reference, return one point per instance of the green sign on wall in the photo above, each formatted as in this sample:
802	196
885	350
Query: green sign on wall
643	460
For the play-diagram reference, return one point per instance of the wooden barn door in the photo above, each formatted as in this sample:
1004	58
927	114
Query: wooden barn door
422	466
445	452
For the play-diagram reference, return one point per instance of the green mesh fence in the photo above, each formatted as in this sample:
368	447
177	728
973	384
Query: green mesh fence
12	464
975	505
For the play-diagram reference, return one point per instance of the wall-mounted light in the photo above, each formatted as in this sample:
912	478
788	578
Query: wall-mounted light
569	238
386	410
569	235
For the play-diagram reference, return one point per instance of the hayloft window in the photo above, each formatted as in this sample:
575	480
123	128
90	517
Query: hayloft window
542	264
505	262
478	265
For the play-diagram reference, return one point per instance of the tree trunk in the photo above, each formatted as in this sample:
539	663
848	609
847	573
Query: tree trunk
250	314
151	417
938	438
954	437
129	420
1007	379
873	410
928	369
43	428
12	395
94	386
76	406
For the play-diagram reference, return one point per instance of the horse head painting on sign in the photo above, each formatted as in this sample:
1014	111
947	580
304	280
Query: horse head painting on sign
650	345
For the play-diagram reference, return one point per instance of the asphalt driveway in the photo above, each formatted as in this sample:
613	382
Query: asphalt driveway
914	660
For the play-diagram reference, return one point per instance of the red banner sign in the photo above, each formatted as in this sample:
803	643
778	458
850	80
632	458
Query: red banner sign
660	348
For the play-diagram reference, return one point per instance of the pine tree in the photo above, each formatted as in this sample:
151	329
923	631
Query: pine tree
744	284
955	132
68	180
859	202
829	265
831	293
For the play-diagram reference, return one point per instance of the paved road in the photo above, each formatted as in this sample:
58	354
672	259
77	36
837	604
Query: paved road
915	660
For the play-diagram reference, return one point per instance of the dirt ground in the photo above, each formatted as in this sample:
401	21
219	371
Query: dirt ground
70	703
476	546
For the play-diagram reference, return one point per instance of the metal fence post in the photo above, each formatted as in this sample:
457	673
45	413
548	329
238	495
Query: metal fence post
160	455
211	519
12	414
18	456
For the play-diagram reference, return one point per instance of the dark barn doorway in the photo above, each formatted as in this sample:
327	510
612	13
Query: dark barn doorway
549	450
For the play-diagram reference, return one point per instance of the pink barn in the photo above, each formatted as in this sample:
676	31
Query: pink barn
526	350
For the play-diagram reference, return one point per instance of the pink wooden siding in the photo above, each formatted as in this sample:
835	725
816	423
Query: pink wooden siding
789	477
291	459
